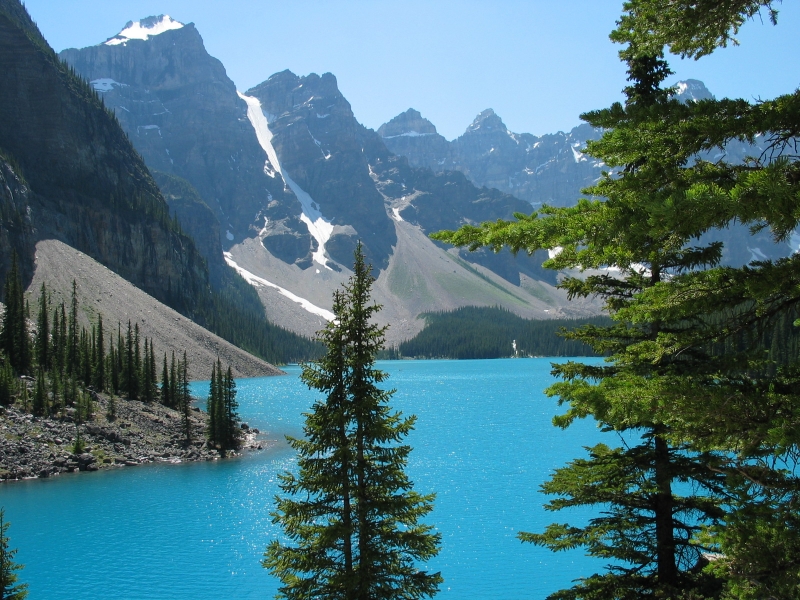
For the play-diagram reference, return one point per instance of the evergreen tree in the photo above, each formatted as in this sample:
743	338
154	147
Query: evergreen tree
173	383
185	398
707	382
165	384
99	368
230	408
129	371
211	407
42	342
10	589
40	395
153	391
14	339
147	379
350	512
72	347
8	383
137	377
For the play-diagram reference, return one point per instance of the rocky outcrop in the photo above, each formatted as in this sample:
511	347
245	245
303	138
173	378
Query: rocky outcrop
139	433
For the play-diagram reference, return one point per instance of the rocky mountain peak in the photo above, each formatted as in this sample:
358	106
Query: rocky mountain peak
692	89
142	30
487	121
410	123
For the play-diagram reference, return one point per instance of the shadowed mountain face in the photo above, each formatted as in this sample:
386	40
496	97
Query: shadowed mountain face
182	113
75	176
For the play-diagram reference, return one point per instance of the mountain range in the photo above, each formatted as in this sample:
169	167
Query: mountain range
293	180
141	152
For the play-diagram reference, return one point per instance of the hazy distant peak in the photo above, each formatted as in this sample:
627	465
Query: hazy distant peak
410	123
692	89
487	120
141	30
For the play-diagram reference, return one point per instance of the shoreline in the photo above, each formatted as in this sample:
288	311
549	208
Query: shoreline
43	447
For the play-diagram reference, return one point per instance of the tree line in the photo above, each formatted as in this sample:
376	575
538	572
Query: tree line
69	363
493	332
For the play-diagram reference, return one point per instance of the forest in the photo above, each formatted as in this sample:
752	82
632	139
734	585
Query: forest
493	332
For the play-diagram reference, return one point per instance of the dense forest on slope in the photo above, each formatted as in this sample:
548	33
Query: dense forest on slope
484	332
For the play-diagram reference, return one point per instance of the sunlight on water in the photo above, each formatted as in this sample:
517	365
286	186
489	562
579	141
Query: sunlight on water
483	442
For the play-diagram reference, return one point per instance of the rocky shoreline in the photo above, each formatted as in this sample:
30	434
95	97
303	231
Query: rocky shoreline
41	447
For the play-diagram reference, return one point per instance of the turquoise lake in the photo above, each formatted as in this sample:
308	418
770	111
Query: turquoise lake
483	442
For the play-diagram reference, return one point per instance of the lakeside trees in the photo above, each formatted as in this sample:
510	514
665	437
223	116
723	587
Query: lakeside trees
350	513
10	589
694	365
223	417
67	359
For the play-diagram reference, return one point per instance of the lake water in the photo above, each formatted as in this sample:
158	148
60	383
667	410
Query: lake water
483	442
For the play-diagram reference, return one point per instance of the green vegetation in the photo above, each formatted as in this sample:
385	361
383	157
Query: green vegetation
351	513
703	375
70	363
9	588
484	332
223	419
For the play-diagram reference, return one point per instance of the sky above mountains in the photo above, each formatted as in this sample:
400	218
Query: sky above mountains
538	64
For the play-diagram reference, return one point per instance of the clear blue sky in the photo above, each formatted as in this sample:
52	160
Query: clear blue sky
538	64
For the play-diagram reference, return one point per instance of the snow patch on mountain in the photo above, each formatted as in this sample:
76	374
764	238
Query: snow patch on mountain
141	30
257	281
319	227
105	84
407	134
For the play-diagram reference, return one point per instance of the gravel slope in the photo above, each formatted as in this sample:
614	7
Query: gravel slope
101	291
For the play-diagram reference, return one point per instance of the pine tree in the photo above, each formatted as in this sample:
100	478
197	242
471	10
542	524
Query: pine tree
185	399
8	383
14	333
99	367
230	408
9	588
42	342
173	383
651	530
72	347
165	384
350	512
211	407
40	395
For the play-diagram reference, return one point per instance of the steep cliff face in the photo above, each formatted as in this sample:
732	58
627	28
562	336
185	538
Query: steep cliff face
183	114
16	230
323	149
87	185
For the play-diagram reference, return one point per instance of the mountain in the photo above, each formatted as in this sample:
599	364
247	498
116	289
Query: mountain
294	180
551	169
101	291
72	174
540	170
69	172
183	115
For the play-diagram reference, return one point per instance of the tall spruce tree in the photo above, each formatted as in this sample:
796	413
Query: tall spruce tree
14	339
42	341
10	589
351	513
692	329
